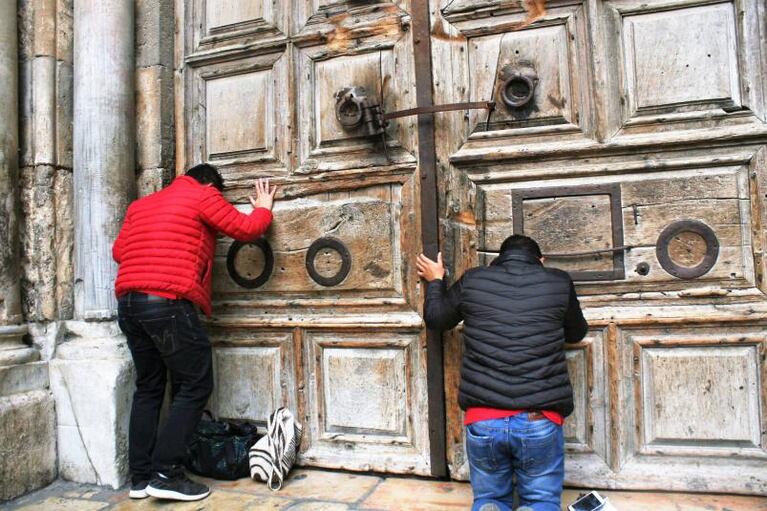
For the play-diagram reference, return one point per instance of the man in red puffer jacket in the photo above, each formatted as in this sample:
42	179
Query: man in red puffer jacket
165	253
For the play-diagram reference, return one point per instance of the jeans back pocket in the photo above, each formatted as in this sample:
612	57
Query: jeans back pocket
162	331
480	449
542	448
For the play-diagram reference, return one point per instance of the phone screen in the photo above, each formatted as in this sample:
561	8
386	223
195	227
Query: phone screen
589	502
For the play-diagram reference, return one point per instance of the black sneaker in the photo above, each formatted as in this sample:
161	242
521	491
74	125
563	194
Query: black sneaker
138	490
176	487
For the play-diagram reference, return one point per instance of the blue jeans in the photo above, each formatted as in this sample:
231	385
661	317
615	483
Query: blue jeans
531	451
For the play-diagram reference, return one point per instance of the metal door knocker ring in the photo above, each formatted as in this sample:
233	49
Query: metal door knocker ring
356	110
518	89
349	107
265	274
687	249
337	246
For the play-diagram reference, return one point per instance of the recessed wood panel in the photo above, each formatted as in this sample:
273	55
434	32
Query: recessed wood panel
576	426
375	54
239	114
571	224
220	13
677	66
235	119
366	399
332	75
544	50
254	374
365	221
248	382
682	57
488	47
701	396
364	390
224	25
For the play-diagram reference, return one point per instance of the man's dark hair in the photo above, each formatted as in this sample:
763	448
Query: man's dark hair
520	242
205	174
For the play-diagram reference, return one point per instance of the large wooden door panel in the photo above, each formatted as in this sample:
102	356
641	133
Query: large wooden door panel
633	129
234	119
365	401
322	315
692	401
638	164
681	65
367	222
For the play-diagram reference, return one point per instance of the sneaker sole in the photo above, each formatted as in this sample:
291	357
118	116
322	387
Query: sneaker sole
138	494
174	495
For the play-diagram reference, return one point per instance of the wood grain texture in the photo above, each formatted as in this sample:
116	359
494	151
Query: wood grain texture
634	94
255	85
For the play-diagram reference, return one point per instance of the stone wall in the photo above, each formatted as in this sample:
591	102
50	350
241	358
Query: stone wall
155	146
46	119
82	354
46	60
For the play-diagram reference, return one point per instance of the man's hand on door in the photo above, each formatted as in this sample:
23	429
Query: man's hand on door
430	270
264	195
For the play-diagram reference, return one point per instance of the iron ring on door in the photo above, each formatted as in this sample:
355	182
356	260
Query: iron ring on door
346	261
687	249
517	90
260	279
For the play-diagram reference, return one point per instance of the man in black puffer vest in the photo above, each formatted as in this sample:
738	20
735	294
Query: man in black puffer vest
514	387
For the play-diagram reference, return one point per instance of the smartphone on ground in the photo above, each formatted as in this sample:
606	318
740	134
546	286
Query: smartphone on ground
592	501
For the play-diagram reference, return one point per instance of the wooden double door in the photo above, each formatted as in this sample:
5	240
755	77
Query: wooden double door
627	137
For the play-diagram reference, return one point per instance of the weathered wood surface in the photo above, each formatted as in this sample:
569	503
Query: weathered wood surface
255	95
631	94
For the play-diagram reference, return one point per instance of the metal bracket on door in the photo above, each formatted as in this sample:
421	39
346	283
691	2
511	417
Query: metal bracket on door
355	110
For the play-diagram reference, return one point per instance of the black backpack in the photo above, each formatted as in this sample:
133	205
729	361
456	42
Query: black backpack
219	448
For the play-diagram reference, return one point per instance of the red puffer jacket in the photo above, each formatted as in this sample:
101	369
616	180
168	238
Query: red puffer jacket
167	243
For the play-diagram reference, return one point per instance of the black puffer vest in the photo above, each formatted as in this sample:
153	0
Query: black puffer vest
514	355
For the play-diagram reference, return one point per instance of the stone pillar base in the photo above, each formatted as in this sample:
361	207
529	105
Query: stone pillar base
28	459
92	380
27	427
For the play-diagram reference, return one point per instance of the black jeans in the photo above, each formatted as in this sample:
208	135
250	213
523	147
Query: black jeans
164	336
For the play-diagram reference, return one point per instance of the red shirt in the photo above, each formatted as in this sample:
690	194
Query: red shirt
477	414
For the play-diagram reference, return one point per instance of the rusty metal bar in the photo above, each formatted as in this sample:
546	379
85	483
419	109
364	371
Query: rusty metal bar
625	248
449	107
612	250
427	168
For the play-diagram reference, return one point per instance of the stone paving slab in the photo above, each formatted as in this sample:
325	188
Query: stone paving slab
310	484
420	495
318	490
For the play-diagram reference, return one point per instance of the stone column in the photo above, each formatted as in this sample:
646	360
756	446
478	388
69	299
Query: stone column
104	169
28	458
10	297
92	375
